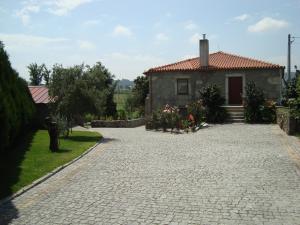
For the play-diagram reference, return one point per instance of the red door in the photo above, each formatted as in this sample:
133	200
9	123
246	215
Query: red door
235	86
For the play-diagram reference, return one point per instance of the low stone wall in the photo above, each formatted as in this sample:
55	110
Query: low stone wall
285	121
118	123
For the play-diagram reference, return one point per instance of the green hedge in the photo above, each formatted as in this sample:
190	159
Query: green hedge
17	107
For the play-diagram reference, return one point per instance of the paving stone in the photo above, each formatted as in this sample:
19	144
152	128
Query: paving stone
225	174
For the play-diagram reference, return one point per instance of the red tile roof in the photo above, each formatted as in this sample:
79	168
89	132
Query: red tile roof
39	94
217	61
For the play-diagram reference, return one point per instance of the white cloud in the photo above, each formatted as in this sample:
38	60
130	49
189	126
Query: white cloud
242	17
85	45
18	41
190	25
194	39
120	30
63	7
56	7
26	11
161	37
267	24
130	65
91	22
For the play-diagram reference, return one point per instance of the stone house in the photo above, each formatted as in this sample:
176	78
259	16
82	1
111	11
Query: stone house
179	83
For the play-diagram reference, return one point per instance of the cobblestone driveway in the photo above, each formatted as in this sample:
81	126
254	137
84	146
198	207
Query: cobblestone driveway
225	174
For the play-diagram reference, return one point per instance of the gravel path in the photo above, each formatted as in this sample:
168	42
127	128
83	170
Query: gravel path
224	174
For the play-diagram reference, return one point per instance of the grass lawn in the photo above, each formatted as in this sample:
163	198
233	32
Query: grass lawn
31	158
120	98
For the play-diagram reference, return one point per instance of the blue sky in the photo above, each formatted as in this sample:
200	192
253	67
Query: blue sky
131	36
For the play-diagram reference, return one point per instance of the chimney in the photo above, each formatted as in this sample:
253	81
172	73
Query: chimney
204	51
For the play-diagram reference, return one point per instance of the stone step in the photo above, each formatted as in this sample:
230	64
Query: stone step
237	109
235	120
236	117
236	113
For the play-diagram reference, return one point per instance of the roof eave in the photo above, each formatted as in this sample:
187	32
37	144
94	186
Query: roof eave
212	69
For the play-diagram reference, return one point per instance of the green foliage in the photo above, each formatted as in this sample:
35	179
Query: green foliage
268	112
136	102
197	110
257	109
186	125
80	89
254	100
167	117
46	75
294	104
62	125
213	102
17	108
122	114
289	92
120	98
88	117
38	73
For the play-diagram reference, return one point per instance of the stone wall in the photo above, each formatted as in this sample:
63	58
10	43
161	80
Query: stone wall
285	121
163	86
118	123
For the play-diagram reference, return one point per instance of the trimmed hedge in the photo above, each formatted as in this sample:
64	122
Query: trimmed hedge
16	107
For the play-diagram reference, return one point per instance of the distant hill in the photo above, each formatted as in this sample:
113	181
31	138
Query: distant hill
124	84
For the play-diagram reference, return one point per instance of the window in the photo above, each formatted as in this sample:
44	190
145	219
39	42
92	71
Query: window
182	86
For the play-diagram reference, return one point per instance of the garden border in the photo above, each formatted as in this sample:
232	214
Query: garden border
285	121
48	175
118	123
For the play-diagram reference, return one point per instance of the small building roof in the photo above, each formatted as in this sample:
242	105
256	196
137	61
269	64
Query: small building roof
39	94
217	61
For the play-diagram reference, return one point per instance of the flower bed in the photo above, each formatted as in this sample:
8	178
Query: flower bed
169	117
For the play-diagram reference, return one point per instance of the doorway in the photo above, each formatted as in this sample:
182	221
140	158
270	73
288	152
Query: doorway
235	90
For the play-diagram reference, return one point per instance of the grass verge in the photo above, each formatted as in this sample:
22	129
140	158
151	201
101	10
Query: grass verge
31	158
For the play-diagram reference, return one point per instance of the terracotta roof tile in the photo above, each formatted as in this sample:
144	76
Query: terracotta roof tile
217	61
39	94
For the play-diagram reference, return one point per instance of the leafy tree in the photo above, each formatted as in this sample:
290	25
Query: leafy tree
212	101
17	108
141	89
36	73
295	103
139	94
289	92
79	90
254	100
46	75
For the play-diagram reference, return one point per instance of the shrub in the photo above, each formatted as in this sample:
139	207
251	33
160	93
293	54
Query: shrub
257	109
268	112
17	108
167	117
122	114
213	101
294	103
254	101
197	110
88	117
290	91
